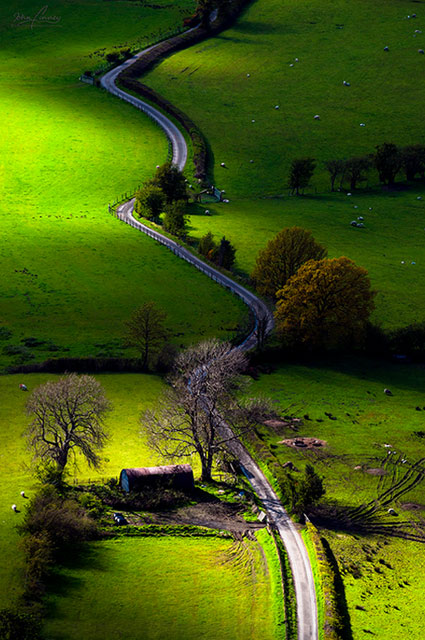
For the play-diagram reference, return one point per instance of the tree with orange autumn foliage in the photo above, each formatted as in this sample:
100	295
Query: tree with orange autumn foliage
326	304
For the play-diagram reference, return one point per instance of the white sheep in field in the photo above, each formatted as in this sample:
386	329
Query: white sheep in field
421	51
23	494
386	48
345	83
222	164
14	507
316	117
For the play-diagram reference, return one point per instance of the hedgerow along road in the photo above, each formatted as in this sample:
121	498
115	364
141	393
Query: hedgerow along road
307	628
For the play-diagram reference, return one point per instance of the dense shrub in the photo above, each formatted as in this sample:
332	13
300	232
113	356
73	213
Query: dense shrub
19	625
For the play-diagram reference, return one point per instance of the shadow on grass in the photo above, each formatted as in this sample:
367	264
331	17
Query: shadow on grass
341	600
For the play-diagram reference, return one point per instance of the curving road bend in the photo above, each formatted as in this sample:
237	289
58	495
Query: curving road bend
296	550
173	134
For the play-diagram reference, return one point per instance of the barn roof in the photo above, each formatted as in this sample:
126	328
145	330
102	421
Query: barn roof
169	469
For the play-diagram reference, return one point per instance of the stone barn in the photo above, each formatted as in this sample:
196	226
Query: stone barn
178	476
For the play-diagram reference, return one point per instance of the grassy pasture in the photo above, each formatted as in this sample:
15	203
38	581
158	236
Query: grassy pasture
71	273
334	41
366	419
394	232
385	594
129	394
153	588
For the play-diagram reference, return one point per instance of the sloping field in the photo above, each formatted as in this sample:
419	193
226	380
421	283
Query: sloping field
333	42
71	274
174	588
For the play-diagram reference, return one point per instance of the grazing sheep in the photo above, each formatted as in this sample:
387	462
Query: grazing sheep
402	262
23	387
360	218
419	198
345	83
292	64
222	164
251	160
296	60
388	392
391	512
413	263
361	225
362	124
421	51
226	200
248	75
14	507
207	212
356	206
252	120
370	208
353	223
349	193
157	166
386	48
23	494
277	106
316	117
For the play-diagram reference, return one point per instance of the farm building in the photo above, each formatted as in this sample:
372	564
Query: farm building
179	476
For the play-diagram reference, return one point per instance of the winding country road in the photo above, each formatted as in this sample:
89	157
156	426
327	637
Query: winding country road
297	553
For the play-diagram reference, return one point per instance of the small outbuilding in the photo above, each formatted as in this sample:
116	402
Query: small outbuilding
178	476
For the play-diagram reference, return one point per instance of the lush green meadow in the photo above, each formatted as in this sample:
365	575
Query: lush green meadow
129	394
393	238
386	592
363	420
154	588
333	42
71	273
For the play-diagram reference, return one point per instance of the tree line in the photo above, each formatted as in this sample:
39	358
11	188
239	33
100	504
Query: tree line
389	160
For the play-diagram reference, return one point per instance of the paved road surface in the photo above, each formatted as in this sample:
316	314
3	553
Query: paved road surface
297	553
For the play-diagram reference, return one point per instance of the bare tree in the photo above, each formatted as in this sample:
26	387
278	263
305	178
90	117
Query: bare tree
67	416
146	331
203	393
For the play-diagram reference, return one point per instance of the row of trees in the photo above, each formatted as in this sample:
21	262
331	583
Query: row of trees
388	160
320	302
166	194
222	254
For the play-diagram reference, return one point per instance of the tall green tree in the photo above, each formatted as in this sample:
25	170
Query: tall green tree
300	174
336	169
282	257
225	254
356	169
388	162
150	201
171	182
174	220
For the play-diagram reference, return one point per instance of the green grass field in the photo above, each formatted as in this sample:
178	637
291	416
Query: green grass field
209	81
129	394
394	233
71	273
385	600
366	420
154	588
